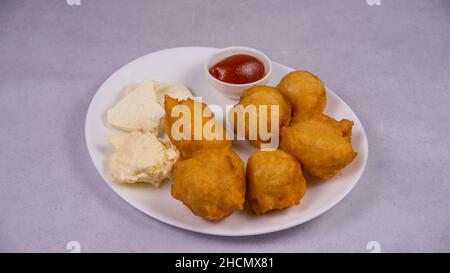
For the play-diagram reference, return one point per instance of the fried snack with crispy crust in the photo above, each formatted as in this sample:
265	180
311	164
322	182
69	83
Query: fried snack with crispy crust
305	92
321	144
261	95
211	183
188	146
274	181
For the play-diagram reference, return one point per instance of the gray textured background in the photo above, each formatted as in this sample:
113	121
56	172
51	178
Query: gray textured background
390	63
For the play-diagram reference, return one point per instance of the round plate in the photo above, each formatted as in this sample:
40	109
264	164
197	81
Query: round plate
185	65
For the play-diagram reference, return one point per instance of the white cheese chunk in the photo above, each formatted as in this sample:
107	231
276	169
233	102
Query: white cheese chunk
138	110
141	157
175	90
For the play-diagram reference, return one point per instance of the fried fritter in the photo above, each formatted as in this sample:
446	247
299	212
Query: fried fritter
305	92
321	144
274	181
260	95
211	183
187	144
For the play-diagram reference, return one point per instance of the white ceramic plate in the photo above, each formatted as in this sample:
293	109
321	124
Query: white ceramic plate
186	65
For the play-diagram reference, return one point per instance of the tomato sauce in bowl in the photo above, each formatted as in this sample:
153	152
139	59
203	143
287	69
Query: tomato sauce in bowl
238	69
234	69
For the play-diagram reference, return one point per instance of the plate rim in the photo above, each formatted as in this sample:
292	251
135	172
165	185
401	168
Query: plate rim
168	221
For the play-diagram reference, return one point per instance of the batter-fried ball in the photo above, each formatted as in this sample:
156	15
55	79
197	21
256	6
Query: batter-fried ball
305	92
321	144
274	181
260	95
211	183
188	145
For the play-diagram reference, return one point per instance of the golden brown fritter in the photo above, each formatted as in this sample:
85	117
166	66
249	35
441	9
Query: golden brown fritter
261	95
211	183
321	144
187	146
305	92
274	181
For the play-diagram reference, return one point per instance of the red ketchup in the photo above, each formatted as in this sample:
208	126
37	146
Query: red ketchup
238	69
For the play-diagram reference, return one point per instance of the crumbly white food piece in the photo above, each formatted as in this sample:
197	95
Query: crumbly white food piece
141	157
138	110
175	90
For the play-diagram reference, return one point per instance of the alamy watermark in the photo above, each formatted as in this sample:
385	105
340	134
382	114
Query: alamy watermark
249	122
73	247
374	2
73	2
374	247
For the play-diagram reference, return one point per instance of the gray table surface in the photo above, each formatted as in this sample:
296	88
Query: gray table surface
390	63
